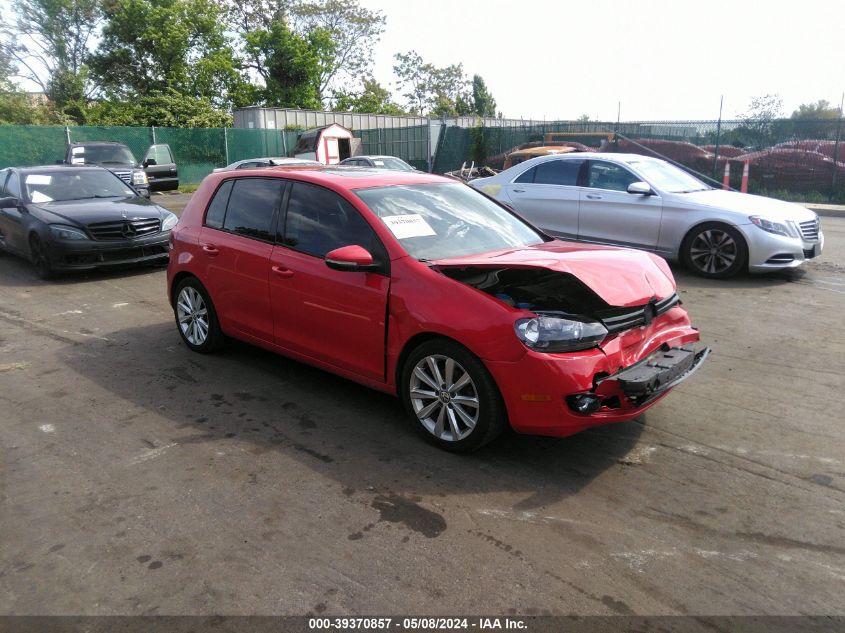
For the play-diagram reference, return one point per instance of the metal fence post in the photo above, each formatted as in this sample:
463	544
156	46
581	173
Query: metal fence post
67	134
836	149
153	131
430	160
226	145
718	133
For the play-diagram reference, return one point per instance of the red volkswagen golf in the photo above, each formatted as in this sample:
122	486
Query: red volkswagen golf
425	288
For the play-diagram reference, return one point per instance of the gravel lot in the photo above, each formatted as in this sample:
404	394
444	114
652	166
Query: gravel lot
138	478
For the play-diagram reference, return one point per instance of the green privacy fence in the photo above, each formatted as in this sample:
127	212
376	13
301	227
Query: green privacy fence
196	150
411	144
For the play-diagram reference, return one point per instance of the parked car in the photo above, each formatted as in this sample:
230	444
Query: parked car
649	204
78	218
420	286
269	161
157	171
378	162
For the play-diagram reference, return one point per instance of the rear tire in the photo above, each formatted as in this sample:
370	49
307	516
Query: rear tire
39	259
451	397
196	318
714	250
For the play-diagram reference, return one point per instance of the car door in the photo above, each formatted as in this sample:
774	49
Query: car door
163	174
547	195
236	242
609	214
334	316
13	219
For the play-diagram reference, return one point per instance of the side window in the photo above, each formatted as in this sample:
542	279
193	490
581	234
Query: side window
609	176
217	209
3	175
13	185
160	154
527	176
319	221
252	203
558	172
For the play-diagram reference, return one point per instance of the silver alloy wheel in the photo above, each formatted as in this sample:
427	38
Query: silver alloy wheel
444	397
713	251
192	314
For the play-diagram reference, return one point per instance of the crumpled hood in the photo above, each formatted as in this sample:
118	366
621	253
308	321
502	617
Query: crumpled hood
620	276
747	204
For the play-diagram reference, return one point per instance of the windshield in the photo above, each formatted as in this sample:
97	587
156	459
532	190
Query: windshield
74	185
439	221
389	162
667	177
102	155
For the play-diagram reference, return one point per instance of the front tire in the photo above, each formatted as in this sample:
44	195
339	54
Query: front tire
39	259
714	250
196	318
452	398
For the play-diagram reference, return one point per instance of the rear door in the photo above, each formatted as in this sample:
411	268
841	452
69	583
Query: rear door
236	242
609	214
12	230
330	315
547	195
163	175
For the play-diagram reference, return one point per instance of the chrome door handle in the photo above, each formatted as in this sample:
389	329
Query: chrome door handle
593	196
519	190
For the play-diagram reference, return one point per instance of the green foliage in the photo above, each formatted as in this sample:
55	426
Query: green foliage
373	99
821	109
161	109
483	101
430	90
150	46
288	63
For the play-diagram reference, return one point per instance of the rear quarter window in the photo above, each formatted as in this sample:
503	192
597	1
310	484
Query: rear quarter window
217	209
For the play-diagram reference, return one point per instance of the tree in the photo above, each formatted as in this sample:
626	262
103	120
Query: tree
156	46
483	101
372	99
353	30
166	109
758	119
51	40
584	118
821	109
431	90
288	64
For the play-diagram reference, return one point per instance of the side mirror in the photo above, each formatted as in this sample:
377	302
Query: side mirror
9	203
150	161
352	258
640	188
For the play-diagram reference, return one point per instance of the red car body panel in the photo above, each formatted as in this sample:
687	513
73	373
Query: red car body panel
359	324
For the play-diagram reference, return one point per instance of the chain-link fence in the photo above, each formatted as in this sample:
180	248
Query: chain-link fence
790	158
411	144
196	150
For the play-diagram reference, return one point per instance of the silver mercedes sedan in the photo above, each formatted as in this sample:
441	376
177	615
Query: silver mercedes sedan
649	204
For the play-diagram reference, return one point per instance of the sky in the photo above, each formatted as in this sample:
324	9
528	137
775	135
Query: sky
661	59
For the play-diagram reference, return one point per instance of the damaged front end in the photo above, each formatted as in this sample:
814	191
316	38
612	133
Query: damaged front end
610	362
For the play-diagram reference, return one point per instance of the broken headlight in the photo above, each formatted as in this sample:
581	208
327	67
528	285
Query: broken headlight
553	334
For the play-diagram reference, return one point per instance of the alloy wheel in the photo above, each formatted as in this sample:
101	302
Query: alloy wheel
713	251
444	397
192	314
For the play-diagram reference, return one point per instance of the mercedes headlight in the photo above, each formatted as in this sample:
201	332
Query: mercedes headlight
554	334
61	232
169	221
139	178
771	226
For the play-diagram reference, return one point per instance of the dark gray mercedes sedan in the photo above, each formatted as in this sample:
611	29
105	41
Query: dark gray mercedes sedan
64	218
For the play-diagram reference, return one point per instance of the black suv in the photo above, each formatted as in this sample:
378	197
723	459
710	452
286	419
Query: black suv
157	172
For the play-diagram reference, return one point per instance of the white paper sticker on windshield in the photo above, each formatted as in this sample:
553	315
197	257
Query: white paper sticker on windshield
411	225
38	179
37	196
